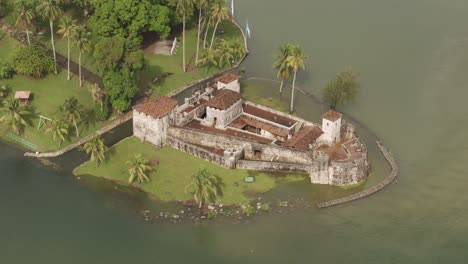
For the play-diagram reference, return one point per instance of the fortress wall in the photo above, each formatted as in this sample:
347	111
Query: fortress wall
348	173
195	151
272	166
252	150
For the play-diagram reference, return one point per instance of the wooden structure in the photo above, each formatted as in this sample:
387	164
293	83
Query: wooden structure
23	97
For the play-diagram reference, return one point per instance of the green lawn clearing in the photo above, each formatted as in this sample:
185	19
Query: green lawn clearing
173	174
255	91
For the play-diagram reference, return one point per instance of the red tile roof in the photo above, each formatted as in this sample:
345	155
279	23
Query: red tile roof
332	115
243	121
228	78
157	108
303	138
224	99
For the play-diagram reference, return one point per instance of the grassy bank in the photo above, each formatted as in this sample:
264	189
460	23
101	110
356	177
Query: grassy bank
173	174
48	94
255	91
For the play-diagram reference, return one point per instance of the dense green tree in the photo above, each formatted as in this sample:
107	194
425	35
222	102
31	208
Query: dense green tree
109	52
59	129
205	187
139	169
97	149
129	18
219	12
32	60
341	89
209	59
73	112
51	11
15	115
24	15
225	54
6	70
281	65
296	62
80	38
121	88
67	27
184	7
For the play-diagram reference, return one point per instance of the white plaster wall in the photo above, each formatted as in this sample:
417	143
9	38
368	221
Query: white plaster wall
331	130
233	86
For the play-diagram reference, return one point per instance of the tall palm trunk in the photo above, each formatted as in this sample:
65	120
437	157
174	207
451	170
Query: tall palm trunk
68	64
292	92
281	86
206	34
214	33
198	36
76	128
53	44
183	40
79	69
27	35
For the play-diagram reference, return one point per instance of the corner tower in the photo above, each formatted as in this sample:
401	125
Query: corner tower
331	126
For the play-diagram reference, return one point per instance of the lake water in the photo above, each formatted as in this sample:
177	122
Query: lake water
412	56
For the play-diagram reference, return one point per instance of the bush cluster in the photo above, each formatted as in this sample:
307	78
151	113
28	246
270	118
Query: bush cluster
32	60
6	71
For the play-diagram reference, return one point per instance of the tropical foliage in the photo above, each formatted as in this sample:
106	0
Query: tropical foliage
97	149
205	187
81	41
281	65
6	70
24	15
32	60
51	11
342	89
296	62
73	112
138	169
59	129
15	115
67	28
219	12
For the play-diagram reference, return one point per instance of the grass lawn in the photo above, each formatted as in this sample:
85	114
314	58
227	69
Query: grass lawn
157	64
256	91
47	95
173	174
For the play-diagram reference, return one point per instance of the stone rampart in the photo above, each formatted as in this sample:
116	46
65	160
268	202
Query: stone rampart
252	150
196	151
272	166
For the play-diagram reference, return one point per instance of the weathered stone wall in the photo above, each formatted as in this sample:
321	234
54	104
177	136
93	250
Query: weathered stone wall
195	151
150	129
348	173
268	152
272	166
223	117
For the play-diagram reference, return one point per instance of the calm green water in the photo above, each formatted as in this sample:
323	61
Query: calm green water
413	58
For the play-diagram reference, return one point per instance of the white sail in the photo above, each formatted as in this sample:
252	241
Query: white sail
232	7
247	29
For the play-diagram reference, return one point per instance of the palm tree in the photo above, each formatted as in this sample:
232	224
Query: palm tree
139	169
184	6
59	130
202	4
73	112
99	95
24	16
96	148
296	62
206	187
50	10
81	41
14	114
219	12
225	54
284	71
238	49
209	58
67	27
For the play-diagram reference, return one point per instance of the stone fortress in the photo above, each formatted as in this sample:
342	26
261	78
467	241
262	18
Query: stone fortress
218	125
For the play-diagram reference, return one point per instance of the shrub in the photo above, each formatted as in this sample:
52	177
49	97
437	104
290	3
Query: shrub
6	71
32	60
102	113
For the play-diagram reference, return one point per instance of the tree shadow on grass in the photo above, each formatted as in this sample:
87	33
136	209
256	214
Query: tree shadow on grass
219	184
